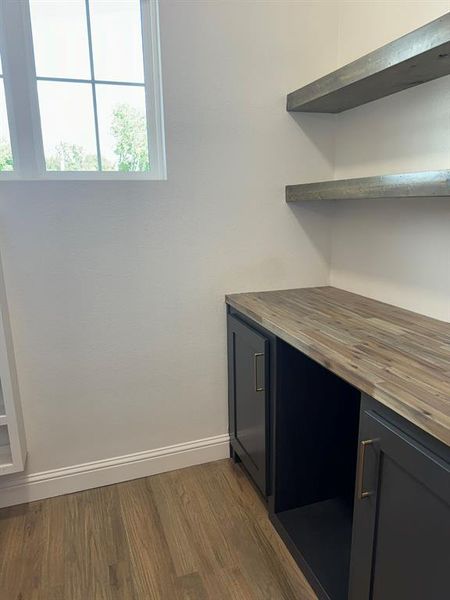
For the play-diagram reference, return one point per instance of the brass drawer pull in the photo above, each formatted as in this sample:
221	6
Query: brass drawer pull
255	358
362	455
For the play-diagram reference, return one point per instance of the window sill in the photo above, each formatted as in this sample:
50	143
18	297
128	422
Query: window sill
83	176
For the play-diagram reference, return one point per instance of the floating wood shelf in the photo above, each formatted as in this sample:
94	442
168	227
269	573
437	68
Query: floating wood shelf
406	185
418	57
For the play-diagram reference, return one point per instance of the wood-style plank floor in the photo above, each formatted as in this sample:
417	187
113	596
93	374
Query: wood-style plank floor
194	534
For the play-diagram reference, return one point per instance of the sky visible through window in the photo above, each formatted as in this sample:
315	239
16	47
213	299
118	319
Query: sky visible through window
98	123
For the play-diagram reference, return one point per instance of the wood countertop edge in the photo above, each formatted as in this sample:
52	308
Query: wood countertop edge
422	419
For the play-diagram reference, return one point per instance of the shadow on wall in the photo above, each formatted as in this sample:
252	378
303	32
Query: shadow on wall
317	128
406	132
315	218
315	221
386	245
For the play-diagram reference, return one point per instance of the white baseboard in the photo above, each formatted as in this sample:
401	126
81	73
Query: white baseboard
16	489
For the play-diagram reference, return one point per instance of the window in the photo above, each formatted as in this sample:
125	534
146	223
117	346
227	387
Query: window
89	71
6	159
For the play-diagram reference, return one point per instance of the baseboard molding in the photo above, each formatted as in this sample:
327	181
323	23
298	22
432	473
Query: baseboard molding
18	489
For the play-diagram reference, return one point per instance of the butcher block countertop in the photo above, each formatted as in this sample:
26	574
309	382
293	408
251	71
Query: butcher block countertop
400	358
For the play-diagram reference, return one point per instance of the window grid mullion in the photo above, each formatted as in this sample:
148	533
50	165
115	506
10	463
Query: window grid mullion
94	92
96	81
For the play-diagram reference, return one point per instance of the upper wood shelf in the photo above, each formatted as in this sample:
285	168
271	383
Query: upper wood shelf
418	57
426	184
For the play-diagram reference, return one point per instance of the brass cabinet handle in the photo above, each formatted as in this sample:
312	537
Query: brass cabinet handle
362	455
255	358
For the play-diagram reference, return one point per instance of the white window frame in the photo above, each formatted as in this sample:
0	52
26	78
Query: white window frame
19	75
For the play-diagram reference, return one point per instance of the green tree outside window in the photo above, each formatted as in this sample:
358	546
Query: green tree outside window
6	159
129	131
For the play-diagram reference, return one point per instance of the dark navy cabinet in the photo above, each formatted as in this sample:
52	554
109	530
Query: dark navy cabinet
401	528
248	372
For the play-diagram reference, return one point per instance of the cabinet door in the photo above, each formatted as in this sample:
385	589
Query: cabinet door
401	529
248	394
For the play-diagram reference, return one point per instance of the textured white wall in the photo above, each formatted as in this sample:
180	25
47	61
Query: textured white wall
397	251
116	290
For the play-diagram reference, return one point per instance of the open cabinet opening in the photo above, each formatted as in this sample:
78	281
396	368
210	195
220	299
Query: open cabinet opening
316	437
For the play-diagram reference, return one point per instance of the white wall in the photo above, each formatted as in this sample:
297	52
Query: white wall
397	251
116	291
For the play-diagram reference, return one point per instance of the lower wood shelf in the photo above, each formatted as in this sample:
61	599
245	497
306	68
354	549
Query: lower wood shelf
425	184
320	535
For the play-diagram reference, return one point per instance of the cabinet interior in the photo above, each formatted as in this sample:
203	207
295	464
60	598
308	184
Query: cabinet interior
316	438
